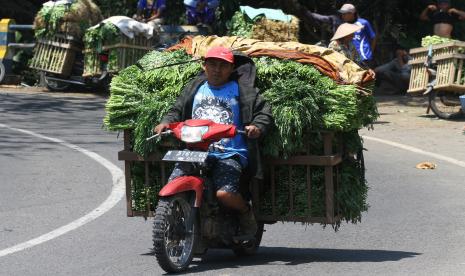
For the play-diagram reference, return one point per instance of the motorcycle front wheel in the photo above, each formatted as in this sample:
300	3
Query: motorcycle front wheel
172	241
445	105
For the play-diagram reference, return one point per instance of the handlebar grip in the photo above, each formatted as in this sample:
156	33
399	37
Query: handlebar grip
159	135
238	131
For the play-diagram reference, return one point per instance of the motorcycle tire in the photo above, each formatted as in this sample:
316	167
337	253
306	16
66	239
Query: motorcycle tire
445	105
173	245
250	248
55	86
2	72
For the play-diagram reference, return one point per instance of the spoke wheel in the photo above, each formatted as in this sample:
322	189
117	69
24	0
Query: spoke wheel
445	105
173	243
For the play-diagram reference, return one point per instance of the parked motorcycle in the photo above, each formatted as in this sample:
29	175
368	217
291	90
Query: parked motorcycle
444	104
56	82
188	217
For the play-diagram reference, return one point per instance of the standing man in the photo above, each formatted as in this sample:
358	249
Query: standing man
364	40
215	96
443	17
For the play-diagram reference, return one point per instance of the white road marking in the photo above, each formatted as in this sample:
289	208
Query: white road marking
117	193
417	150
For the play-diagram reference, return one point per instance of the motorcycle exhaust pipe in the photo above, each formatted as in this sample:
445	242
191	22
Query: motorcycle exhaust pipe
67	81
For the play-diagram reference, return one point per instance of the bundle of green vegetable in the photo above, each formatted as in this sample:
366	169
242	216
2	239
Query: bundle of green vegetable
434	39
71	19
303	102
94	39
240	25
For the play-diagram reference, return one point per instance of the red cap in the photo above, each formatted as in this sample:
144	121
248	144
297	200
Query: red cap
221	53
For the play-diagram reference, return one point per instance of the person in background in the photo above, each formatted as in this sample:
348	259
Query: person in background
201	12
151	11
364	39
343	42
443	17
394	76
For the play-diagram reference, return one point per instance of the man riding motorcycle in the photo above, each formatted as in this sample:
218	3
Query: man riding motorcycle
217	96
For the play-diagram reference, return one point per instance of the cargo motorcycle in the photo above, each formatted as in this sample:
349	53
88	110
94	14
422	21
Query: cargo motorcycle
188	218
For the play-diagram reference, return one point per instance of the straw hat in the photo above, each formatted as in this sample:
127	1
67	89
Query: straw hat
345	29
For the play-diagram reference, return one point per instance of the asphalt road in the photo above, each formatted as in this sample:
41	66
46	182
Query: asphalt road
415	224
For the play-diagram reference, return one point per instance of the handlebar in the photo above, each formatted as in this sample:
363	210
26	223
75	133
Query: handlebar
169	132
163	133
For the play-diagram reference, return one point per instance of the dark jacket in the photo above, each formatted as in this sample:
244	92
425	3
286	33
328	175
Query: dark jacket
254	111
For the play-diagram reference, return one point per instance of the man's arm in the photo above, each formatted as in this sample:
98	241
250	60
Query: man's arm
319	18
424	14
371	34
262	117
459	13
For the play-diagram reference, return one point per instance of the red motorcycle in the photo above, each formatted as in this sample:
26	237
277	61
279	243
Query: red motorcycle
188	217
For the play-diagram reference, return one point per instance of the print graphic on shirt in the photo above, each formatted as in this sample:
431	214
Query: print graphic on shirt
362	45
215	109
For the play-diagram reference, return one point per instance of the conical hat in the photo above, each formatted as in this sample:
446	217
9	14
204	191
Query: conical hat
345	29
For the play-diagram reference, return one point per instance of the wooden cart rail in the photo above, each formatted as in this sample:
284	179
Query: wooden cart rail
449	58
329	162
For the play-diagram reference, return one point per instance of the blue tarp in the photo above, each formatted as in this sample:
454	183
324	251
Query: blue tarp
268	13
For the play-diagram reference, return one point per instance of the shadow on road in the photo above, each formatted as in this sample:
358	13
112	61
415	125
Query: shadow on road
221	259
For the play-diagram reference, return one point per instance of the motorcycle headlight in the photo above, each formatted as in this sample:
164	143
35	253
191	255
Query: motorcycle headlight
191	134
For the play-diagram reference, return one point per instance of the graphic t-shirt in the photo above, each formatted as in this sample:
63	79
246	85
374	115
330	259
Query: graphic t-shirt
221	105
362	39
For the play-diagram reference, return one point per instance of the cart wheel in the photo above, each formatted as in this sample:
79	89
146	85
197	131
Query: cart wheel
2	72
251	248
445	105
56	86
173	244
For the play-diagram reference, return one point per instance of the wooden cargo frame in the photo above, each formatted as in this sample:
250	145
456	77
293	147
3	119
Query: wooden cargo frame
449	70
128	52
329	161
56	55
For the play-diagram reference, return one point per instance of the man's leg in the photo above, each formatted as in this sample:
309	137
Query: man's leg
226	177
181	169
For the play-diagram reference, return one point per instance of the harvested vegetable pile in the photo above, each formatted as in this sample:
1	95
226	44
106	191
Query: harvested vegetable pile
71	19
264	29
94	39
434	39
121	49
303	102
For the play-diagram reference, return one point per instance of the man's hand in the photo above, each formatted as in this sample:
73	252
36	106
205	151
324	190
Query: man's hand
159	128
452	11
432	7
252	131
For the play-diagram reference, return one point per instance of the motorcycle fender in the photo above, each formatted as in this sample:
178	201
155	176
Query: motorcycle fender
182	184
